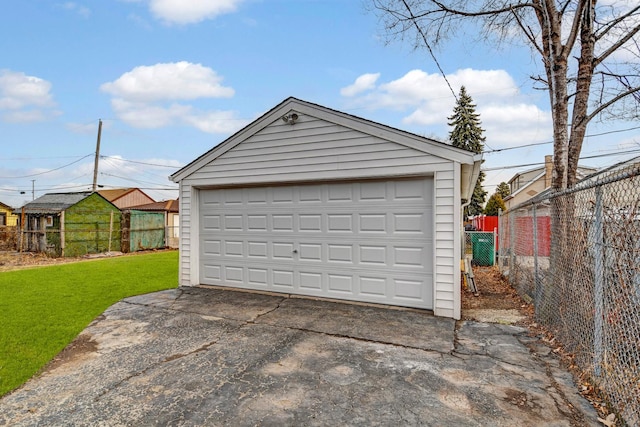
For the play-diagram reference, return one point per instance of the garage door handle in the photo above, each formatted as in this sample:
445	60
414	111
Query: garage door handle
295	251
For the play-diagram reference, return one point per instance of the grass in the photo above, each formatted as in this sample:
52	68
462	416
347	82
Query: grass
44	309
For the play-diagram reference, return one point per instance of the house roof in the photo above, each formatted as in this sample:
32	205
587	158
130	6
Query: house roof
163	206
515	176
7	207
525	186
55	202
582	172
116	193
420	143
613	171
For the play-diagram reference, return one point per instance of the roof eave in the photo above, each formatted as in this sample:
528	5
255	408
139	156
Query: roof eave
433	147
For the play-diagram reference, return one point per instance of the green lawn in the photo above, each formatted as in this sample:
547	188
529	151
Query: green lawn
44	309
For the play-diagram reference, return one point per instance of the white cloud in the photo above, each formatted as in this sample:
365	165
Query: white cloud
25	98
184	12
216	121
509	125
83	11
362	83
143	115
175	80
17	90
428	101
85	128
139	21
147	96
24	116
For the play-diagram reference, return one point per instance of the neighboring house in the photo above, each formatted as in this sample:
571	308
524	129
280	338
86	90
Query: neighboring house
70	224
126	197
169	213
528	184
7	217
618	198
613	172
313	201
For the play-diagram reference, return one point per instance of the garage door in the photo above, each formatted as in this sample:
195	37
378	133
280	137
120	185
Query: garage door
364	241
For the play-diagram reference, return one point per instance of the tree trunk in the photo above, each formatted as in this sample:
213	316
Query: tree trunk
583	86
555	62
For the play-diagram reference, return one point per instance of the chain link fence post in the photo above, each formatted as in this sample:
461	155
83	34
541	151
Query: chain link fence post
586	283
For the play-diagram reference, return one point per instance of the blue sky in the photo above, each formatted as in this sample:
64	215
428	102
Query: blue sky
171	79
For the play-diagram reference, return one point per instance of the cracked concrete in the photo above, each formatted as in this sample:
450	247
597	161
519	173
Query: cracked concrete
193	357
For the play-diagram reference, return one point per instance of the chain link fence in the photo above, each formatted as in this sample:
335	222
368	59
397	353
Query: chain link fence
576	255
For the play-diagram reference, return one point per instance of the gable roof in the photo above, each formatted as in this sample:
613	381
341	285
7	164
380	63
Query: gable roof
163	206
5	206
583	171
289	105
540	171
535	179
117	193
55	202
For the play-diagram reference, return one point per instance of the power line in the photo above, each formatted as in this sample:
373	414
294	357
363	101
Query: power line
133	180
44	189
139	163
596	156
47	171
551	142
37	158
144	188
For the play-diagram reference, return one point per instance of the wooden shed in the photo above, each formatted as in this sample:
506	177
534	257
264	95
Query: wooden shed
168	209
312	201
69	224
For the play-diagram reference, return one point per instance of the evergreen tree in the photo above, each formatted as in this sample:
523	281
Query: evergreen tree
467	134
495	202
503	190
477	198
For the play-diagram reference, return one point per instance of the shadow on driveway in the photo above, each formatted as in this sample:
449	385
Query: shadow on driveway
198	357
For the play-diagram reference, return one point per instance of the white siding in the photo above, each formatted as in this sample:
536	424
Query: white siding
446	264
185	234
310	150
314	150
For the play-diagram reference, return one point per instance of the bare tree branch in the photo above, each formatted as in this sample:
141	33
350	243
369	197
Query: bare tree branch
566	36
481	13
617	45
575	27
611	25
602	107
426	42
528	33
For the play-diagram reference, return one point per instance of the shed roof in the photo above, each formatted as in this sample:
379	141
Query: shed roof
162	206
55	202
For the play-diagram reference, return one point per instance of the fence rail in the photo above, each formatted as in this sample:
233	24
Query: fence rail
576	255
92	237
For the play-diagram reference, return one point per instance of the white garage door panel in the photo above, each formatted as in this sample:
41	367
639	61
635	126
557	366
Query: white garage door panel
369	241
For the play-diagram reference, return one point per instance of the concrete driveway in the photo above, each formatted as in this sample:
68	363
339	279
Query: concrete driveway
197	357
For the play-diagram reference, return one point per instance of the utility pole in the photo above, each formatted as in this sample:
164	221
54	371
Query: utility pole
33	189
95	164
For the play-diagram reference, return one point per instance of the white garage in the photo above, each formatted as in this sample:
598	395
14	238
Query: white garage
310	201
